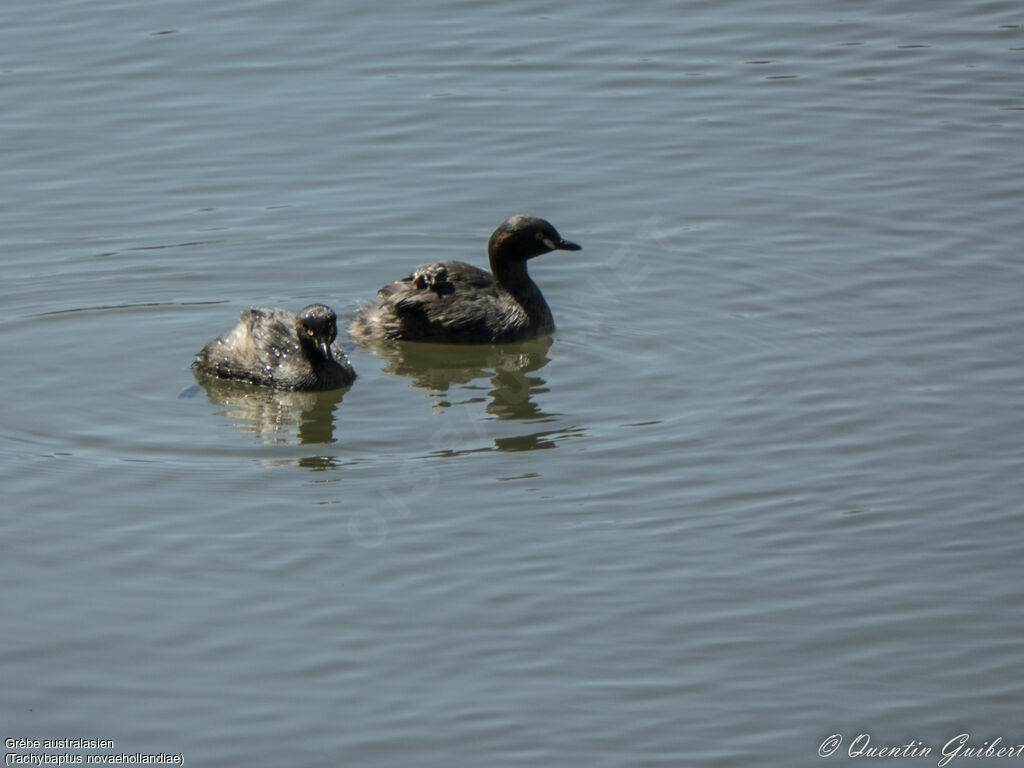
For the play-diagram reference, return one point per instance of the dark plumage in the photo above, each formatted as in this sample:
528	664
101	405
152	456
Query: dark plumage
457	303
277	348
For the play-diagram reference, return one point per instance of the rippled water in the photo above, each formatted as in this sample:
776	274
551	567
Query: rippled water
763	486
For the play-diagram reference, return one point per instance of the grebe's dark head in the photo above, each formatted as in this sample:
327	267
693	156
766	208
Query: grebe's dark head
522	237
318	324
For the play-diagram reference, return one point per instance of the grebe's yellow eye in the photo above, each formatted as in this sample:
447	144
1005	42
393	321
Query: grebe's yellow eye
540	235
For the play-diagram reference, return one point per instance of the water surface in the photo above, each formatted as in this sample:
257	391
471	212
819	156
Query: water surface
761	487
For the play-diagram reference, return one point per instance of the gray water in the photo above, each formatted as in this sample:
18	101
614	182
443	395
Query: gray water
762	486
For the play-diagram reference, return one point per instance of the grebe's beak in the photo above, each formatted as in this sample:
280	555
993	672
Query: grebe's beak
560	244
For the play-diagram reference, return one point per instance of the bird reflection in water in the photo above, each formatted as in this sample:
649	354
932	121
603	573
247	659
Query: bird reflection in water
454	375
275	415
440	368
